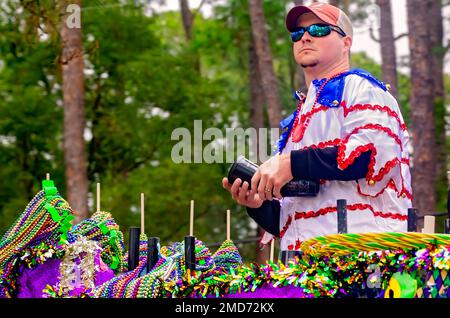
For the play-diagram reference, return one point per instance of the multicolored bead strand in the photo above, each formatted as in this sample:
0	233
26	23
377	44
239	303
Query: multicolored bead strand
102	228
227	256
116	287
46	219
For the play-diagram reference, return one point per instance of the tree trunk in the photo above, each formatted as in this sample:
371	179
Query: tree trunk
186	16
438	53
297	75
188	21
256	93
74	117
257	122
387	44
263	52
346	7
423	124
335	3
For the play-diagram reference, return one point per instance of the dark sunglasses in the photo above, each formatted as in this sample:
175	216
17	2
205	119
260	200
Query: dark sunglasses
315	30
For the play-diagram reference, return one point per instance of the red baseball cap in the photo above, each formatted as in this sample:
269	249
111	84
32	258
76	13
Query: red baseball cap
325	12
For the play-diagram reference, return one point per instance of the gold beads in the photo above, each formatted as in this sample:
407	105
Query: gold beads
371	182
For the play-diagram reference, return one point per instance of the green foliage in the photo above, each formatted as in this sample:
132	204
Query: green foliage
144	85
30	121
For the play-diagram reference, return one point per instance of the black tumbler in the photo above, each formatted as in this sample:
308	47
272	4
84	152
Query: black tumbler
133	250
342	216
152	254
244	169
412	220
189	252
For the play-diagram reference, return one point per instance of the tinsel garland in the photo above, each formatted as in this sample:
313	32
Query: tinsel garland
324	276
181	282
30	257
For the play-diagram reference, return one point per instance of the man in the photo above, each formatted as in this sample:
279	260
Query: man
348	133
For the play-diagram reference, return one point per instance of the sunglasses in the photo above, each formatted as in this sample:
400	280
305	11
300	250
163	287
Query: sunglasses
315	30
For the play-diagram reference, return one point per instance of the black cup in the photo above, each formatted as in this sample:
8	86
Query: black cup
133	250
244	169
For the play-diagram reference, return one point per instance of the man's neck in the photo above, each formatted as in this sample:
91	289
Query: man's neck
312	73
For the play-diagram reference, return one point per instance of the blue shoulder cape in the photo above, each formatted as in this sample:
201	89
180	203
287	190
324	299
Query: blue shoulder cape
330	96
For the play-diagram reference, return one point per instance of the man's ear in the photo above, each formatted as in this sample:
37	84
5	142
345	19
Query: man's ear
348	41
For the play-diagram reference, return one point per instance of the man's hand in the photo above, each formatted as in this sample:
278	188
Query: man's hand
271	176
241	194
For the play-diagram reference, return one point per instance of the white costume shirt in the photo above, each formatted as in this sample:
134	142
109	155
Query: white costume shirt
367	117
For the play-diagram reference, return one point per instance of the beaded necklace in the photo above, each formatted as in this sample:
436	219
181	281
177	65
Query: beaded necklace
116	287
227	256
46	218
168	277
169	268
297	131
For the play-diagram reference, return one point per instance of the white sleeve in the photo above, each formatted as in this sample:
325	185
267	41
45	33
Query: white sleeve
373	121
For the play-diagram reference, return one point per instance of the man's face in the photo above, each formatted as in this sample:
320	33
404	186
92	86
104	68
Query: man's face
313	51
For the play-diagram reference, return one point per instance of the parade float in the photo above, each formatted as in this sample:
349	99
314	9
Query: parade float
43	255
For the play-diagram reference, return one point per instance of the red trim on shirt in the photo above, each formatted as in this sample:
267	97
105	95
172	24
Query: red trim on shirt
390	184
286	226
351	207
385	109
324	144
387	130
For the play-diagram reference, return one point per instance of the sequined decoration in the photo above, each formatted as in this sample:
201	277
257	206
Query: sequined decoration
77	268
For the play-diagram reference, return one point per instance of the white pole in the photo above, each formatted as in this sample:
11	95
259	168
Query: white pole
142	214
272	249
98	197
228	225
428	224
47	176
191	221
